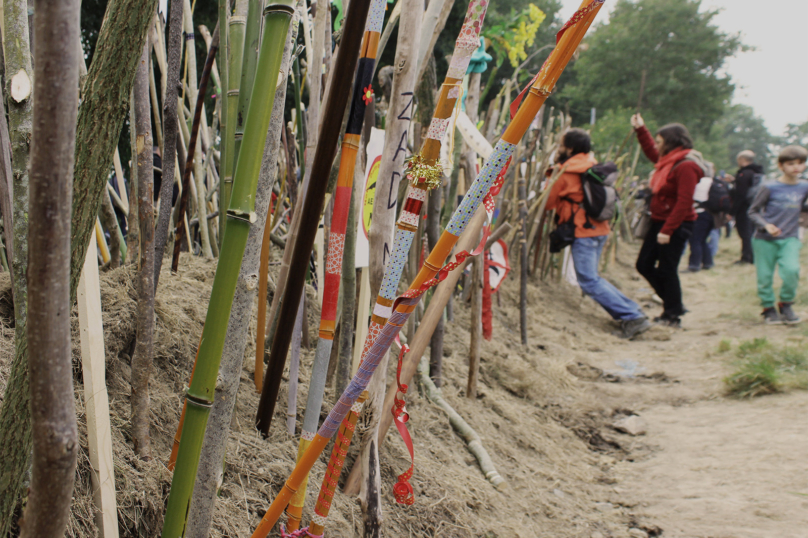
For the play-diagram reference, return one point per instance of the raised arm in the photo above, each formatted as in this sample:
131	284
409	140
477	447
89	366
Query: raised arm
644	138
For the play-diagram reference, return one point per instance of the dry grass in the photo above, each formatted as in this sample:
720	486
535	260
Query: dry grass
531	412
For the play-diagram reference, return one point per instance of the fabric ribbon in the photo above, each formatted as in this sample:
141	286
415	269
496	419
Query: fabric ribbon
402	490
576	17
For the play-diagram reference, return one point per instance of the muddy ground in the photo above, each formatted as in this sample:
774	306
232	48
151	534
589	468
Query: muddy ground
708	466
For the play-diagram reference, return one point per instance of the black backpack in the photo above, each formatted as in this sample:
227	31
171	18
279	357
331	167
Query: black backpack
600	196
757	179
718	199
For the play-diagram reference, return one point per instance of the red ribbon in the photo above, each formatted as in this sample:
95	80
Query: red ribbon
403	491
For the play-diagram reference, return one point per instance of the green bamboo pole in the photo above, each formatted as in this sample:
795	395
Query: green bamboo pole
224	71
240	215
252	40
234	60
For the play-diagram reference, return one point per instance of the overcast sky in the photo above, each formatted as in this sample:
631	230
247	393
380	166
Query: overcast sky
773	78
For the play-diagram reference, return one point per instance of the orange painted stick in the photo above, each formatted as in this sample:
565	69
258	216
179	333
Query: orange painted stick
568	40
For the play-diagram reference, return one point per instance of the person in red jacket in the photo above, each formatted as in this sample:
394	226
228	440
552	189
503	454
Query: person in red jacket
678	169
566	198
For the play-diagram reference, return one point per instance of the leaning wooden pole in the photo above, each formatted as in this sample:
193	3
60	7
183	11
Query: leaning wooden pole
240	215
362	95
568	40
189	160
144	344
170	128
425	174
53	141
333	111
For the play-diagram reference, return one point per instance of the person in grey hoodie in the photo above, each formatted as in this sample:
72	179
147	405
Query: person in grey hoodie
775	212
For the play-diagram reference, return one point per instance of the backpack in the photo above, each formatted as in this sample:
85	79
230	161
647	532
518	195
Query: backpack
757	179
600	196
718	200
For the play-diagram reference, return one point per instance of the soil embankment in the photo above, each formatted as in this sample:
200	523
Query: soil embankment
708	465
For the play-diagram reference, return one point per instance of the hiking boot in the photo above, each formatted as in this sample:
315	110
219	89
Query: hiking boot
770	316
787	314
668	321
631	328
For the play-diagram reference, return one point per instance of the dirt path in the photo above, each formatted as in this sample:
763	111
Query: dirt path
709	466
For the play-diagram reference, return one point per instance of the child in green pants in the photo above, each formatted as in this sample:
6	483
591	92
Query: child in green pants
775	212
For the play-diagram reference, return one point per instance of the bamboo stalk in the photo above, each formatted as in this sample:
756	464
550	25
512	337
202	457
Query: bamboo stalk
312	205
53	416
235	60
249	59
241	214
542	86
170	128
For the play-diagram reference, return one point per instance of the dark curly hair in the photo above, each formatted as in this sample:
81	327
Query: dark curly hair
675	136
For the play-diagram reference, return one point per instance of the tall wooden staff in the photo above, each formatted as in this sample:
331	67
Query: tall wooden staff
425	174
568	40
362	95
333	112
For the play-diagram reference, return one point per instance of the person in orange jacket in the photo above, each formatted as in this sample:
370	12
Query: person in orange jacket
566	197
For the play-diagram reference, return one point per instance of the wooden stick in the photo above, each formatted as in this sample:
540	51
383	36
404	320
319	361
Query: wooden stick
96	400
473	441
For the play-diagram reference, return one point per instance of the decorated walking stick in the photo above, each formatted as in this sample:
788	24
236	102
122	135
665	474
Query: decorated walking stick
430	274
362	96
333	112
425	173
240	215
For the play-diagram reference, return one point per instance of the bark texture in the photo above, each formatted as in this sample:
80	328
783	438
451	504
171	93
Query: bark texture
53	415
110	222
348	287
100	118
214	445
170	132
15	420
144	346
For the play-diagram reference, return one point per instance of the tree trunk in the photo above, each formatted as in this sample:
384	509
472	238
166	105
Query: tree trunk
381	240
170	128
133	230
215	443
53	415
15	420
6	182
100	117
142	357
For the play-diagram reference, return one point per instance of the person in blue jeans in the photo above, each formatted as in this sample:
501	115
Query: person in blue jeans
566	197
